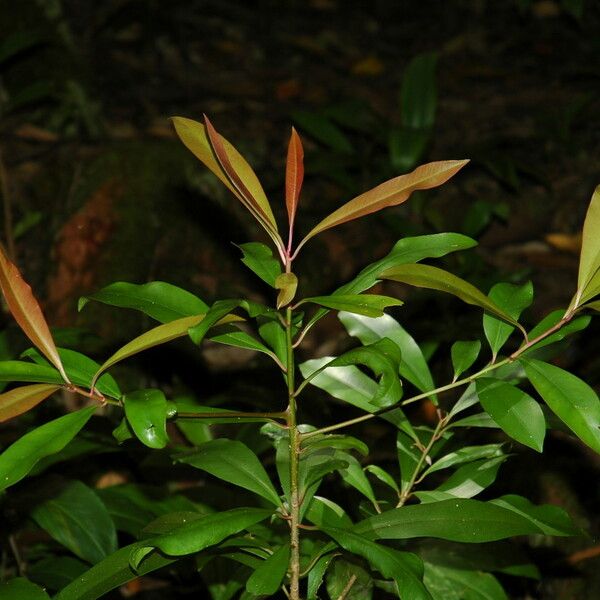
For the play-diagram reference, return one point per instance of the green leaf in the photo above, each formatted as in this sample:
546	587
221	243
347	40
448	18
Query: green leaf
433	278
157	299
408	250
466	454
405	568
513	299
413	365
472	478
390	193
446	583
369	305
273	333
382	358
383	476
19	458
216	314
20	588
354	476
337	441
55	572
572	400
418	94
235	463
323	130
76	518
19	400
287	284
464	354
517	413
343	574
323	512
589	262
146	412
459	519
80	369
406	147
20	370
241	339
548	322
206	531
551	520
316	575
260	260
109	574
267	579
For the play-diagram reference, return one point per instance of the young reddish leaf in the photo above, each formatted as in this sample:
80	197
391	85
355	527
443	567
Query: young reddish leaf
242	177
391	193
294	175
21	399
230	167
27	312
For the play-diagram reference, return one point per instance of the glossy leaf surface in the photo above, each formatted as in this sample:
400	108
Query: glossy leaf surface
513	299
433	278
391	193
471	479
460	520
206	531
268	577
146	412
294	175
413	365
27	312
19	400
20	588
76	518
157	299
464	354
572	400
19	370
260	260
405	568
235	463
287	284
589	262
20	457
517	413
369	305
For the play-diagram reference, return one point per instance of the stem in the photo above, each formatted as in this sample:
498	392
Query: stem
347	589
435	436
464	381
294	450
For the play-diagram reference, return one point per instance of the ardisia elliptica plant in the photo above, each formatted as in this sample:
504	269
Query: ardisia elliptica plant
412	536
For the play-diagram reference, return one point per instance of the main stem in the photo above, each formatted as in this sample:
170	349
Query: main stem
294	440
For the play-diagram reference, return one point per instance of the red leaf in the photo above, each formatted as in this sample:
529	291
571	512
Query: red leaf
27	312
294	175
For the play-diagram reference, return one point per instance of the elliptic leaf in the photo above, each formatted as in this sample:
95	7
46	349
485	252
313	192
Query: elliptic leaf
573	326
234	462
157	299
294	175
444	583
17	370
589	262
259	259
76	518
268	577
466	454
472	478
463	355
19	400
27	312
391	193
572	400
369	305
459	519
513	299
316	575
433	278
517	413
383	476
368	330
20	588
206	531
146	412
19	458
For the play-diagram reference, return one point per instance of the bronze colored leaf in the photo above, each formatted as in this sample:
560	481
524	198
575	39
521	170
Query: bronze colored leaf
294	175
286	283
391	193
21	399
27	312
